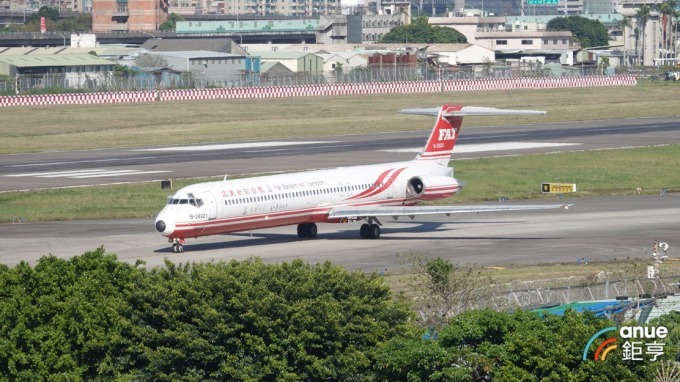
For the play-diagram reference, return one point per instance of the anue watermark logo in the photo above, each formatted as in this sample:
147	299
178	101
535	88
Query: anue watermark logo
638	341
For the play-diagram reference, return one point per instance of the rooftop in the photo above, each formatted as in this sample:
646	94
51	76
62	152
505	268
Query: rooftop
36	60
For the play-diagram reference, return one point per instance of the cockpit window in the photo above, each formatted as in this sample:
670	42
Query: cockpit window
193	201
196	202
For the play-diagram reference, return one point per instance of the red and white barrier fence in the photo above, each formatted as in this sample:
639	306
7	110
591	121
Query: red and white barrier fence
319	90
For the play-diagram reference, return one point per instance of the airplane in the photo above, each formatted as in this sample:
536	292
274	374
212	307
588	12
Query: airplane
340	195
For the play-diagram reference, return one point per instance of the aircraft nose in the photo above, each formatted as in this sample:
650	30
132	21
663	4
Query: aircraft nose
160	226
165	226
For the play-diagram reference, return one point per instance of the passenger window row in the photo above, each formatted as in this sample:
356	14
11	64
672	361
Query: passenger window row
297	194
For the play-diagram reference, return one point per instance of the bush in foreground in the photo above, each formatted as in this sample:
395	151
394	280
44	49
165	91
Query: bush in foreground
94	318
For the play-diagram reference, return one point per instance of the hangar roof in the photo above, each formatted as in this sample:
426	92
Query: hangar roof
43	60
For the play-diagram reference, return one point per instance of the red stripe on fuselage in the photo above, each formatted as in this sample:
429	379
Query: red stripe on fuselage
245	223
387	184
370	189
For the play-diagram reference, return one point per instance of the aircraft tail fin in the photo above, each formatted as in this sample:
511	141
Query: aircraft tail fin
449	120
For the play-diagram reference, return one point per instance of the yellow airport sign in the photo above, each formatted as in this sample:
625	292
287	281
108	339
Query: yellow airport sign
558	188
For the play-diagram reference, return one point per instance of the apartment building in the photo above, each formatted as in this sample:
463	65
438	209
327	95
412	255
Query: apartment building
299	8
128	15
34	5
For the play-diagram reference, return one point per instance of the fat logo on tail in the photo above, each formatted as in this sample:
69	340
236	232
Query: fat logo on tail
444	134
449	119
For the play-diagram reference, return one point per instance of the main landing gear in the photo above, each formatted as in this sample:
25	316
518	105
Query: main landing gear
177	245
369	231
306	230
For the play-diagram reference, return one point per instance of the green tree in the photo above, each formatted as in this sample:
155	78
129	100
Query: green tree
122	71
44	11
672	322
669	10
588	32
94	318
625	24
75	22
420	32
147	60
65	320
485	345
412	359
442	289
249	320
171	23
604	64
642	15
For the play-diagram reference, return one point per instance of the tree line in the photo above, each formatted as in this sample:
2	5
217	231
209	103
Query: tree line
70	22
93	317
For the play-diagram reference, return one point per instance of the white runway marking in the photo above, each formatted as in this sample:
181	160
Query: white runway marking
228	146
462	149
83	174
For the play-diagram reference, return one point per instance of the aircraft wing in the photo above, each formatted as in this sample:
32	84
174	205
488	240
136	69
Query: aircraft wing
471	111
395	211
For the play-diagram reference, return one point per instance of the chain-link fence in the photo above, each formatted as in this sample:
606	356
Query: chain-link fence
603	286
51	83
544	293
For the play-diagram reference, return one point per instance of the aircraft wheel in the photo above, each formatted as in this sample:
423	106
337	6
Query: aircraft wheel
374	231
363	231
311	230
180	248
174	248
302	231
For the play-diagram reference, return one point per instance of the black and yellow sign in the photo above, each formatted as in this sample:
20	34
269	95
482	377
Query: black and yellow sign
558	188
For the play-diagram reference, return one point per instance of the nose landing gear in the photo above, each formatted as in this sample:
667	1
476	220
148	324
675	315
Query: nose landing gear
177	245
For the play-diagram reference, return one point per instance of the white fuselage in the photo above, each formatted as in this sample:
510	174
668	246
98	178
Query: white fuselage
305	197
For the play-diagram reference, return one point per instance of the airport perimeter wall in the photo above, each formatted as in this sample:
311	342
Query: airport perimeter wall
318	90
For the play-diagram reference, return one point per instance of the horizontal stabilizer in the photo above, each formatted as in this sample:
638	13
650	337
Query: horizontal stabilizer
375	211
471	111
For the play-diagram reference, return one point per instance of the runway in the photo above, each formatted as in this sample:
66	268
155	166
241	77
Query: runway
81	168
599	229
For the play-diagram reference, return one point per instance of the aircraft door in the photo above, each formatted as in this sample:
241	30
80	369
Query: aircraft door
212	205
390	191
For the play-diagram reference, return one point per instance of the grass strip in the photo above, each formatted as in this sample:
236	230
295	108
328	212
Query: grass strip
77	127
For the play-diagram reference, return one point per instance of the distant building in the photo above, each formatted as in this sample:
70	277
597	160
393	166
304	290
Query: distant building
237	28
343	60
128	16
255	8
339	29
539	40
461	54
374	27
208	68
470	26
644	43
298	62
275	73
519	41
55	70
222	45
63	6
